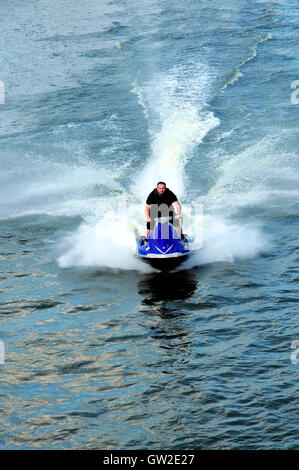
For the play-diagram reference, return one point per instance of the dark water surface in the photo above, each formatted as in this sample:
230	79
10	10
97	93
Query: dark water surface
102	99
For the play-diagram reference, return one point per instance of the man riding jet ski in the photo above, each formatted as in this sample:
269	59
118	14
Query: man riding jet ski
164	246
161	202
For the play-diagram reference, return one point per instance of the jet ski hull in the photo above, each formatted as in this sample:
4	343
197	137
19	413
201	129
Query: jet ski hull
164	250
165	264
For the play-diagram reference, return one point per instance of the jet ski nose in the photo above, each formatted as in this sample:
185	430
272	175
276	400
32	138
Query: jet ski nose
163	246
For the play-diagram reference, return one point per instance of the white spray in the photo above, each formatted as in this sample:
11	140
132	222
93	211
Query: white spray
175	105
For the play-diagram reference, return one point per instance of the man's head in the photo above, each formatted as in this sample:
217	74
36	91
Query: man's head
161	187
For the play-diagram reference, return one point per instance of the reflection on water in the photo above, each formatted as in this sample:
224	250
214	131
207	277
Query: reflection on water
166	286
163	296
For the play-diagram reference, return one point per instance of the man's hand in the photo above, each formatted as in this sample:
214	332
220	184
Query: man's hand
147	213
177	206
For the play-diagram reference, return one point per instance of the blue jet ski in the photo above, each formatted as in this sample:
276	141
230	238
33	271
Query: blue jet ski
164	250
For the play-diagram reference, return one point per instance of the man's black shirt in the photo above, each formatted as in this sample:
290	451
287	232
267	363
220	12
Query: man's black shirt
168	197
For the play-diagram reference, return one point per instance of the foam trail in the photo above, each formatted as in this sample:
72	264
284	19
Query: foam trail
175	105
236	74
261	175
171	147
54	185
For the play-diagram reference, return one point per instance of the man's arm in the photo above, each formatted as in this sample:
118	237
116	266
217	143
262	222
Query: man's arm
147	212
177	206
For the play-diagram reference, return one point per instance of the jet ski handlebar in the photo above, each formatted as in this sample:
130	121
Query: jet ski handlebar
162	220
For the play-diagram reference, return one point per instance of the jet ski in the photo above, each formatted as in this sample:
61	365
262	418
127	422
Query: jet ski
164	249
